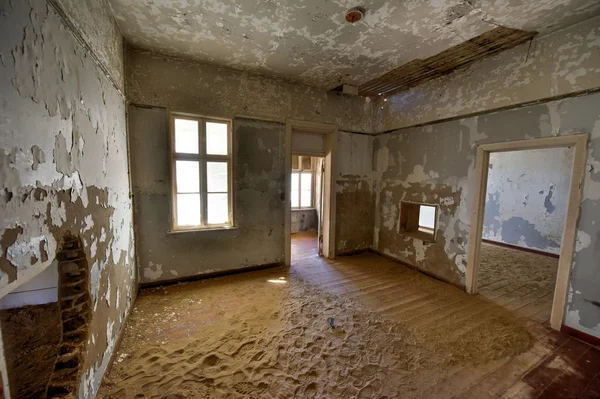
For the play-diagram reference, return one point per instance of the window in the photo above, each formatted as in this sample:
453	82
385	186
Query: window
201	172
302	182
418	220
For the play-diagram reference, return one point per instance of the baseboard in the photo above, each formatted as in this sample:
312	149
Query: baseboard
428	274
581	336
204	276
518	248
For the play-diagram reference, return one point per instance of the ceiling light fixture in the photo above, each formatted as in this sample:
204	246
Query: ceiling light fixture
355	14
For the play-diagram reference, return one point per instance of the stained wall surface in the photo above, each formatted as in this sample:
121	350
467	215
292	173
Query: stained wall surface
173	84
94	22
527	196
563	62
436	164
63	168
190	86
258	195
355	201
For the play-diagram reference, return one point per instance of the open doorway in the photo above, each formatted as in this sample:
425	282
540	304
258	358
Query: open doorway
310	194
306	206
529	277
525	208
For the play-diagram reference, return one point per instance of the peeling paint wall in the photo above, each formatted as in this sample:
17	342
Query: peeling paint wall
190	86
258	199
63	167
527	196
556	64
436	164
304	220
94	22
354	188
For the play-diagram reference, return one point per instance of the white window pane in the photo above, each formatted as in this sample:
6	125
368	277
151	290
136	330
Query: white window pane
216	177
216	138
305	200
188	209
306	181
186	136
427	216
218	211
306	185
187	176
295	181
295	203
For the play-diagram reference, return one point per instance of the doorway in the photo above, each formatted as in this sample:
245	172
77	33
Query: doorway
306	203
310	184
567	242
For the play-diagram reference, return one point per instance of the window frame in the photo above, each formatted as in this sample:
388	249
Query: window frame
301	170
409	212
202	158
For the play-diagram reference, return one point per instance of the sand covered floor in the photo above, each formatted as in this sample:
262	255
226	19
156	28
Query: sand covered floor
267	334
520	281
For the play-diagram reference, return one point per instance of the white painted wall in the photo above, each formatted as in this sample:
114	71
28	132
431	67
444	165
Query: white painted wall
527	196
42	289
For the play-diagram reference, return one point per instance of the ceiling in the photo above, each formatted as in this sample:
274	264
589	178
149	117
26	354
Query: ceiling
310	41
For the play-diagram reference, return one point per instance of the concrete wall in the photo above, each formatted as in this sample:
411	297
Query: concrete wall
560	63
63	167
258	194
304	220
94	24
354	187
436	164
190	86
527	197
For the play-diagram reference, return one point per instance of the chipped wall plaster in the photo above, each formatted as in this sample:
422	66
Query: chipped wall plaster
309	40
190	86
557	64
527	196
444	156
63	168
354	193
94	21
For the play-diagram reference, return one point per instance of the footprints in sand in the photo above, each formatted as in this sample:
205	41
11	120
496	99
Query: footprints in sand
297	355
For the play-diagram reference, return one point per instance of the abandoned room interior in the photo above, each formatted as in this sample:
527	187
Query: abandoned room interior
312	199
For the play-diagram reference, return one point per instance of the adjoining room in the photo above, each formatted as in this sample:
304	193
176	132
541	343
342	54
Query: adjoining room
299	199
525	210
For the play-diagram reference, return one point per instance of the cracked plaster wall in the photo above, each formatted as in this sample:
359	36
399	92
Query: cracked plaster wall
190	86
64	168
354	192
559	63
94	21
258	194
436	164
527	196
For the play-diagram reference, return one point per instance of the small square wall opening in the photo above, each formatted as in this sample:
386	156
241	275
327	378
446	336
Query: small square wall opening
418	220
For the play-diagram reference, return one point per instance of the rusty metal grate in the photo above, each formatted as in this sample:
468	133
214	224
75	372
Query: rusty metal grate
419	71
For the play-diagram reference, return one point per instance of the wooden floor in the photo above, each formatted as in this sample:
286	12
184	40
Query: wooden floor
398	334
556	366
517	280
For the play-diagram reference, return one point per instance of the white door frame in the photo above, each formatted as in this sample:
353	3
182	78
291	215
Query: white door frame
330	132
579	142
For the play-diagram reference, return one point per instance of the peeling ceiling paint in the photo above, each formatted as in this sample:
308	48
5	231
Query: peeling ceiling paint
310	42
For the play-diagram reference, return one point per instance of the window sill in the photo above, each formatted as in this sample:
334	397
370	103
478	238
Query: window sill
419	235
303	209
203	229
